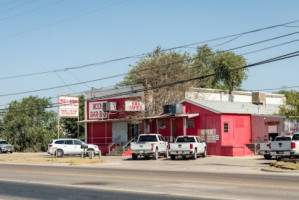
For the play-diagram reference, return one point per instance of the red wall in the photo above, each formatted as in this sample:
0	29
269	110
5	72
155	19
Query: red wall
96	133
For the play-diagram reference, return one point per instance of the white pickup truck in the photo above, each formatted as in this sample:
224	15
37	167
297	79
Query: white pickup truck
187	146
149	145
285	146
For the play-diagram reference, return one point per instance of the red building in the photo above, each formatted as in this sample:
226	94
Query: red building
225	126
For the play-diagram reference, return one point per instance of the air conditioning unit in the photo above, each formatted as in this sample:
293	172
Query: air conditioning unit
109	106
173	109
258	97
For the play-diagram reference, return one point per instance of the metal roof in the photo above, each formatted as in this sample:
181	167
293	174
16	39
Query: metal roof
234	107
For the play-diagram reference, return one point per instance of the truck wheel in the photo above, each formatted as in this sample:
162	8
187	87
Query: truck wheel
134	156
172	157
204	154
166	153
267	156
194	154
155	156
278	158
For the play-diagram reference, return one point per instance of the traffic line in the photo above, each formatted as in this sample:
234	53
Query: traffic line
157	179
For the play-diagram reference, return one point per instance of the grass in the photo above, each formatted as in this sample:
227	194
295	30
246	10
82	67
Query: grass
70	161
286	165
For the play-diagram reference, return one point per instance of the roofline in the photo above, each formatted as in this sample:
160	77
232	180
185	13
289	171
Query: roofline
195	103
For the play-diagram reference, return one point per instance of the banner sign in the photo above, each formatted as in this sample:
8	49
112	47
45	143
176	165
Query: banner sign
134	106
95	110
68	106
208	135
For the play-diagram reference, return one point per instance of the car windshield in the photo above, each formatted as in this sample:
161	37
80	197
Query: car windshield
282	139
4	142
148	138
185	139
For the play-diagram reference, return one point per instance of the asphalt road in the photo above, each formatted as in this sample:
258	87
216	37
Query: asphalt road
71	182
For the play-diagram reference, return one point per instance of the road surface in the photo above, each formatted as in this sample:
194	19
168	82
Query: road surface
20	181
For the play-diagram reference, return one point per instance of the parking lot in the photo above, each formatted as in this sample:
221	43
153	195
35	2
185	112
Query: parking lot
244	164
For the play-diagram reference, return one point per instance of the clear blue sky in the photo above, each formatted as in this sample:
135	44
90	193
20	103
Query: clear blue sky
38	35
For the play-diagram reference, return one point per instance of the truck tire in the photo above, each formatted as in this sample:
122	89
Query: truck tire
194	156
156	155
134	156
172	157
204	154
267	156
166	153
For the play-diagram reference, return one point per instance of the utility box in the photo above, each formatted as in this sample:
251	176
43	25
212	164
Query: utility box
258	97
173	109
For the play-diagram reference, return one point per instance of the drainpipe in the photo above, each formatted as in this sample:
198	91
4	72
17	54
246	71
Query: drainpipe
184	126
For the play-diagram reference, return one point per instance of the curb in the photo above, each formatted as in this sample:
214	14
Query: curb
280	171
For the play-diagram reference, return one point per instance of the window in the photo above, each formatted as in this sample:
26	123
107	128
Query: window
69	142
185	139
148	138
77	142
296	137
190	123
59	142
225	127
162	125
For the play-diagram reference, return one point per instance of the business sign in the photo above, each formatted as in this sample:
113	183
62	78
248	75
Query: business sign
208	135
134	106
68	106
96	111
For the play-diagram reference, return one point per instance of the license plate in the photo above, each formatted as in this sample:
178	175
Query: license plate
180	152
279	152
141	152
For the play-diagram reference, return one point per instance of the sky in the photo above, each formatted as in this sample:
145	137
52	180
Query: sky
41	36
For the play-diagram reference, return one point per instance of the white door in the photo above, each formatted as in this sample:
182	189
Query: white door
120	129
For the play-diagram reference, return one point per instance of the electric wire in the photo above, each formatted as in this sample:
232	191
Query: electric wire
144	54
275	59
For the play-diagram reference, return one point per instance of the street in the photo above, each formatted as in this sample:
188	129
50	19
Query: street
21	181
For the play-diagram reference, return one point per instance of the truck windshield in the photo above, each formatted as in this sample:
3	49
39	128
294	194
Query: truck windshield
148	138
296	137
185	139
282	139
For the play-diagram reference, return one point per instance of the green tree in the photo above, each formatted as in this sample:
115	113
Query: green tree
291	109
158	68
69	125
28	124
224	64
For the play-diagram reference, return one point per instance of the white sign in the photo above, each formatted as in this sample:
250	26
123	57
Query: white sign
95	110
68	106
134	106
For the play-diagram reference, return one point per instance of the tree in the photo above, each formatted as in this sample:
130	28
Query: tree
157	68
69	125
28	125
220	62
291	109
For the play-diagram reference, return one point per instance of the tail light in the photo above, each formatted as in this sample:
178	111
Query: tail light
191	146
293	145
269	145
50	145
152	146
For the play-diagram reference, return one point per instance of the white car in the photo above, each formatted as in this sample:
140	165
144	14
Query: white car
69	147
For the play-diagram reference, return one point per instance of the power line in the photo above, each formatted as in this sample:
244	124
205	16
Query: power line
144	54
275	59
30	11
61	21
20	5
119	75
